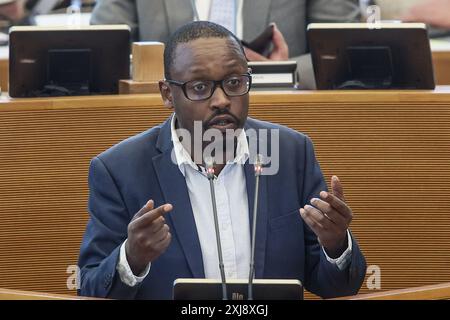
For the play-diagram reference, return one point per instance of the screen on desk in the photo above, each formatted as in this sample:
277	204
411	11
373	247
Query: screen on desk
371	56
59	61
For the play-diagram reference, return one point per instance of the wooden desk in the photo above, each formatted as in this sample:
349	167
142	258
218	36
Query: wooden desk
435	292
390	149
7	294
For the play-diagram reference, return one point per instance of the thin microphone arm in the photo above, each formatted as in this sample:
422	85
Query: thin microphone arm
210	175
251	275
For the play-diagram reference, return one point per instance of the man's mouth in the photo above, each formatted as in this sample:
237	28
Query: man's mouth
223	122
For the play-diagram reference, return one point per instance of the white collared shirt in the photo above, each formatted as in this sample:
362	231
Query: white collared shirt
232	211
203	8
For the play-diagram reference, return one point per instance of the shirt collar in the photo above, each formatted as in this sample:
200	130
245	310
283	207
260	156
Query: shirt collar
183	157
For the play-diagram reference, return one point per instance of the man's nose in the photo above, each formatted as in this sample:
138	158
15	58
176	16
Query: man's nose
219	100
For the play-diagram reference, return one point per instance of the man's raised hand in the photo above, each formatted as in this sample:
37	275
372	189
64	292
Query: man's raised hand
148	236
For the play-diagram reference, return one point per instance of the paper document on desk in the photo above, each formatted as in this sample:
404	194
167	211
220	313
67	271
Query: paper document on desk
62	19
268	74
442	44
4	38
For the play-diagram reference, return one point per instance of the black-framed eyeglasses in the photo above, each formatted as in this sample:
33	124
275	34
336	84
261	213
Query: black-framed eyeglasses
232	86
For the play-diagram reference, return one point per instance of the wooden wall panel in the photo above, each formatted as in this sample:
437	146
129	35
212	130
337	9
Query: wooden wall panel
391	151
44	158
441	66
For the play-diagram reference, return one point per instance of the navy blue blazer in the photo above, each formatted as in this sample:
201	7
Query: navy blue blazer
123	178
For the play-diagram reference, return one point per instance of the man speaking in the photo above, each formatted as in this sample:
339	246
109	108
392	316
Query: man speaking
150	200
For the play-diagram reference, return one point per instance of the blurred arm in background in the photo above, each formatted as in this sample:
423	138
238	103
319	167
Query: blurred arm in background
432	12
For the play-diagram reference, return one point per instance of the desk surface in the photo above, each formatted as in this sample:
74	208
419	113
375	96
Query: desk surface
434	292
440	94
8	294
391	150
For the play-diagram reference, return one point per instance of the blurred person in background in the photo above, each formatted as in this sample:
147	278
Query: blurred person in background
156	20
21	12
435	13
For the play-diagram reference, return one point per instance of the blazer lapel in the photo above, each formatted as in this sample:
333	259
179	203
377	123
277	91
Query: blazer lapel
255	14
174	189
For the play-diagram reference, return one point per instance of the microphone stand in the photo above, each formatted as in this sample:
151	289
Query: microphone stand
258	170
210	174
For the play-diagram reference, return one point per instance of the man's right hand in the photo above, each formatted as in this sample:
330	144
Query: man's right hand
148	236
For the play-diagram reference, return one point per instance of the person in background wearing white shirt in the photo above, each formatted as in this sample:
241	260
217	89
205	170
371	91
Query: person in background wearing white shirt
150	203
155	20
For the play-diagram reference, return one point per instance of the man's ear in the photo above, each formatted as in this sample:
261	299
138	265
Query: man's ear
166	94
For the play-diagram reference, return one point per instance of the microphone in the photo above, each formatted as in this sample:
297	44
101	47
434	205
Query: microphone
210	174
251	275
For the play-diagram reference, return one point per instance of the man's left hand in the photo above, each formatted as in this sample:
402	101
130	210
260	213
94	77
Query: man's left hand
329	218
